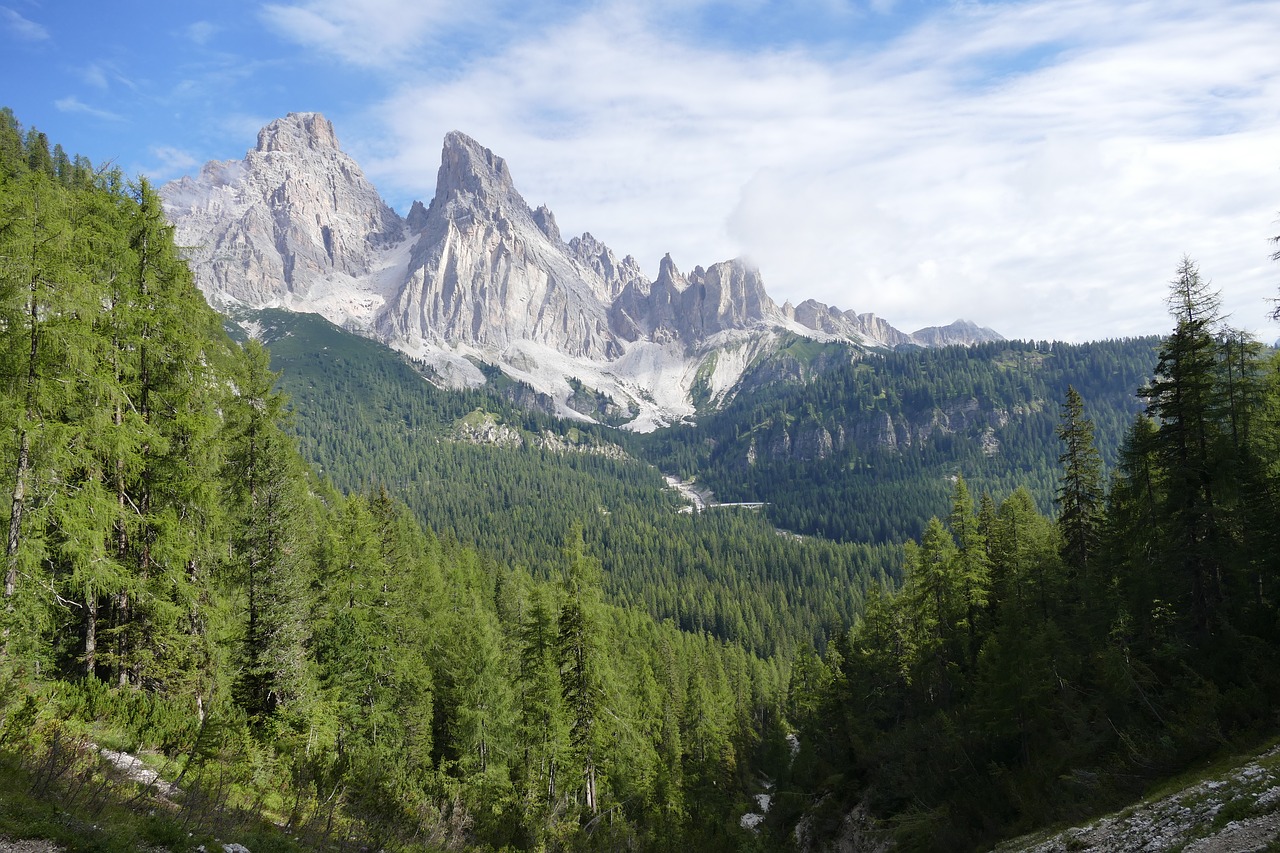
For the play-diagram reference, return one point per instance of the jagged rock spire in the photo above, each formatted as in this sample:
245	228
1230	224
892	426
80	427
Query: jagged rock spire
298	132
468	168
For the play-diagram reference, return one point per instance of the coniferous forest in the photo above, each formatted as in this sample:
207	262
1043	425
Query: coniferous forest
338	626
179	583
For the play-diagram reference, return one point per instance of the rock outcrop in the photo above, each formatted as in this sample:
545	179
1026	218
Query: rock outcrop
959	332
1232	812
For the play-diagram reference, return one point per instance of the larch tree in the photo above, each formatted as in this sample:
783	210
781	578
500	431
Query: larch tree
43	296
263	480
579	644
542	726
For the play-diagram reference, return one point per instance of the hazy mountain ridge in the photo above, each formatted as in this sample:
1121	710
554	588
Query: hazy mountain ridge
480	276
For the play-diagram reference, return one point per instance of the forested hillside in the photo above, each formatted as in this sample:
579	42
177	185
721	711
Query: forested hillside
513	483
1032	671
308	668
845	445
383	616
861	446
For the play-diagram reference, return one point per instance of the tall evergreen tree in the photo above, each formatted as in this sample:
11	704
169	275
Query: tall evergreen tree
263	480
1185	398
579	644
1080	493
542	726
43	295
971	567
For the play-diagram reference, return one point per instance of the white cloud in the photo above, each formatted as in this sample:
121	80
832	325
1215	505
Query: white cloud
72	104
171	162
96	76
1036	167
201	32
365	32
25	29
103	75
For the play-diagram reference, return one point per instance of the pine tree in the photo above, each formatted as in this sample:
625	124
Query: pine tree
263	481
1185	398
1080	493
542	728
971	567
935	604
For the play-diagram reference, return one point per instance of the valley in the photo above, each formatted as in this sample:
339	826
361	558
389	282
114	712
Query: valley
442	532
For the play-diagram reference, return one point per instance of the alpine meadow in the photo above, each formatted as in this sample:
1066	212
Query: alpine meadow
331	529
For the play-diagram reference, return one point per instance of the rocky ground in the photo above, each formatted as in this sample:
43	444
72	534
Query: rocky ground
28	846
1234	811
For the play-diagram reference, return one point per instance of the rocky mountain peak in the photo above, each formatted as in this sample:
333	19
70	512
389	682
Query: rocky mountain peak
670	276
546	221
298	132
468	168
478	273
293	224
960	332
599	258
417	218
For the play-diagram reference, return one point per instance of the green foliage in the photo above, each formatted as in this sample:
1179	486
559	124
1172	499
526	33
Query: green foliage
1074	661
366	417
178	584
529	646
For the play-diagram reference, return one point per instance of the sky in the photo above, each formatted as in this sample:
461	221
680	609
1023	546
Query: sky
1037	167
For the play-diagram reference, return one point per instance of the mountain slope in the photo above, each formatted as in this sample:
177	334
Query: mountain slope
478	276
294	224
865	447
1227	811
473	465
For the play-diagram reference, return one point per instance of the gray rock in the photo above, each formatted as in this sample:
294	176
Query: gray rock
295	213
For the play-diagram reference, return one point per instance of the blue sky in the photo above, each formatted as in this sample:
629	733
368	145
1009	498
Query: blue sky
1038	167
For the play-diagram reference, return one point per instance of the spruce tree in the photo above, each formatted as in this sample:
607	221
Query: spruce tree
1079	496
1185	398
971	567
266	548
541	723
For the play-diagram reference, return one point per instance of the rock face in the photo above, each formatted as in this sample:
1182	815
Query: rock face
487	271
959	332
479	274
288	225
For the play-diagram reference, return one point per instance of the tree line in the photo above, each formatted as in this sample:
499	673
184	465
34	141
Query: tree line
364	415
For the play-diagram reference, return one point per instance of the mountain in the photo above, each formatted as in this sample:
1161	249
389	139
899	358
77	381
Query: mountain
479	277
295	224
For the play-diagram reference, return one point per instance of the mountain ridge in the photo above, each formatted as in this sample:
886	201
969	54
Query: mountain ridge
479	276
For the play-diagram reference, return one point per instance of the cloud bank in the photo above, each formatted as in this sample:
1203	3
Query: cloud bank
1039	167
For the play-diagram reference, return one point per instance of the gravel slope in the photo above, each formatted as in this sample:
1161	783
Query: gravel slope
1237	811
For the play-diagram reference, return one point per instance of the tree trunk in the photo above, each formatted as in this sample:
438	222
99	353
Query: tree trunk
15	518
90	634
